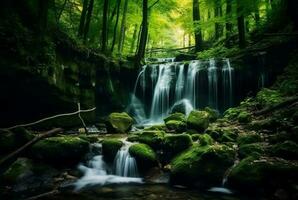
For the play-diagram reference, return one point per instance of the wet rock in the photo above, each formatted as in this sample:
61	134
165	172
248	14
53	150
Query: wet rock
152	138
119	122
249	138
176	122
144	155
254	149
213	114
205	139
174	144
287	150
244	117
198	120
110	148
200	165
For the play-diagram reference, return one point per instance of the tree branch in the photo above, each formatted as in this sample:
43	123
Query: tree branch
153	4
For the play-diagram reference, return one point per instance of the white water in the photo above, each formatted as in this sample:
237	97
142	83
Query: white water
97	172
161	87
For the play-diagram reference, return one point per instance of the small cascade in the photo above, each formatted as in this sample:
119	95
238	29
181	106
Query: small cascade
181	87
98	172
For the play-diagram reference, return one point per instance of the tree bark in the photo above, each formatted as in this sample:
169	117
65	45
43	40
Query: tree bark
104	35
144	33
218	13
122	30
229	25
116	25
134	38
197	31
241	25
83	18
88	19
43	15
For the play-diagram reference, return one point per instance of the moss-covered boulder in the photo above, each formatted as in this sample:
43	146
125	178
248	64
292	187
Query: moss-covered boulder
144	155
11	140
175	116
263	173
205	139
232	113
200	165
198	120
249	138
176	122
268	97
174	144
60	150
110	148
254	149
286	150
119	122
229	135
20	169
157	127
213	114
152	138
244	117
195	137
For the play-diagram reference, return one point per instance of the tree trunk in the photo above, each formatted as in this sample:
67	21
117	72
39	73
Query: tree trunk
229	16
198	32
116	25
218	13
144	33
241	25
43	15
104	35
83	18
134	38
122	31
88	19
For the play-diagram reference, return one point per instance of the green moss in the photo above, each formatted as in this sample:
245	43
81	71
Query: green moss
213	114
19	169
198	120
195	137
177	126
286	150
267	97
133	138
144	155
60	150
232	113
248	139
200	164
244	117
205	139
175	117
119	122
174	144
254	149
152	138
228	135
110	148
159	127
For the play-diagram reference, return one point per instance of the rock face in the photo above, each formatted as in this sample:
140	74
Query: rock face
144	155
198	120
152	138
110	148
60	150
176	122
119	122
259	173
200	165
174	144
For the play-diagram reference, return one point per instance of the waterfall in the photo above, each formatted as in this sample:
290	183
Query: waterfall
161	88
98	172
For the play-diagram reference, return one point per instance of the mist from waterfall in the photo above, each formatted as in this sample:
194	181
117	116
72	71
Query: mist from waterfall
181	87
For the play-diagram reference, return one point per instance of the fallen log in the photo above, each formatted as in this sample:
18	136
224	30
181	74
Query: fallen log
28	144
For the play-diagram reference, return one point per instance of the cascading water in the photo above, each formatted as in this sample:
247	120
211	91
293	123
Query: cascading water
98	172
177	86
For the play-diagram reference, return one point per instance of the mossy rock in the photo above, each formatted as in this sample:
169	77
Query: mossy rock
19	169
262	173
254	149
177	126
195	137
268	98
228	136
158	127
213	114
287	150
232	113
268	123
244	117
283	136
110	148
133	138
198	120
214	132
174	144
152	138
176	117
200	165
60	150
248	139
119	122
144	155
205	139
11	140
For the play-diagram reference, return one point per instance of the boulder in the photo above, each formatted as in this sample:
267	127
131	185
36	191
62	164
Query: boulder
152	138
110	148
244	117
200	165
174	144
268	98
262	173
228	135
119	122
248	139
232	113
60	150
198	120
205	139
158	127
213	114
287	150
144	155
175	117
254	149
176	122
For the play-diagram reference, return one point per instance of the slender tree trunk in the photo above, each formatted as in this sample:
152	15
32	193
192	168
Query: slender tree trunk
104	35
88	19
197	30
218	13
189	40
83	18
122	31
116	25
43	15
144	33
241	25
229	25
134	38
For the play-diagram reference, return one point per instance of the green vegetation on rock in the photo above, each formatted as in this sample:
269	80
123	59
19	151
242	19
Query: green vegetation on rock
144	155
268	97
152	138
198	120
249	138
119	122
177	143
110	148
286	150
254	149
205	139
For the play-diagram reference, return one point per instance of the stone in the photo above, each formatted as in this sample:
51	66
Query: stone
287	150
174	144
119	122
110	148
198	120
144	155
